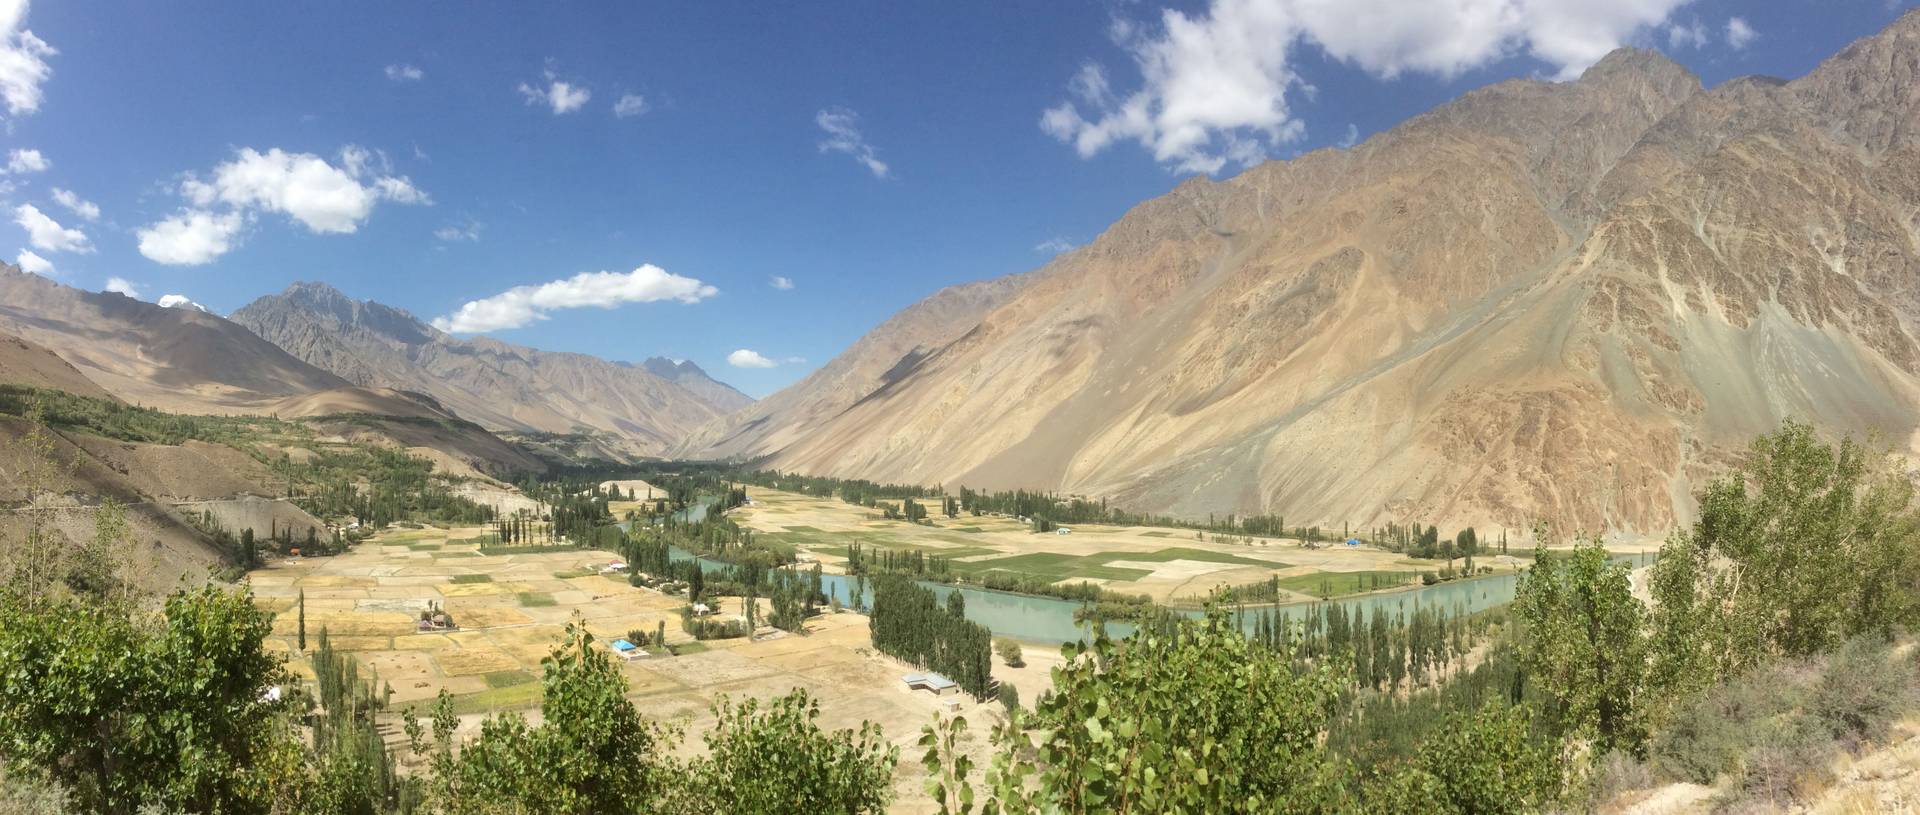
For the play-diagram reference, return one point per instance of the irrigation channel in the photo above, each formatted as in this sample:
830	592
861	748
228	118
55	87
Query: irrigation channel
1050	620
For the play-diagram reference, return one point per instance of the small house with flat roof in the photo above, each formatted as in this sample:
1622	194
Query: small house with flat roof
932	683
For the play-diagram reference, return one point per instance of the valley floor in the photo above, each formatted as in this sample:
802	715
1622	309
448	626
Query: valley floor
1172	566
512	609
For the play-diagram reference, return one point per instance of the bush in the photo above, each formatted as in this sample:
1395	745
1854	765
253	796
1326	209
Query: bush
1009	697
1616	774
1008	650
1864	689
1788	764
1710	733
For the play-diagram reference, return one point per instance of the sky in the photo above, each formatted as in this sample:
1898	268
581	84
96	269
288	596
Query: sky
748	186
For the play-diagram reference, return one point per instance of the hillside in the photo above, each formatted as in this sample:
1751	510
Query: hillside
178	359
1542	301
26	363
495	384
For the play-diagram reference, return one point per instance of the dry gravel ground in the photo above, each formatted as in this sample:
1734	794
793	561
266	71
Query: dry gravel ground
367	599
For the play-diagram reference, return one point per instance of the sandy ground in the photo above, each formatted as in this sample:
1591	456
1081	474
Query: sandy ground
820	524
368	599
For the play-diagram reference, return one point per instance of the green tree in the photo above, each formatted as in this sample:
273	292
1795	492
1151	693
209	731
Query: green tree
1484	763
778	760
124	709
1008	649
302	603
1183	716
592	753
1584	643
1804	546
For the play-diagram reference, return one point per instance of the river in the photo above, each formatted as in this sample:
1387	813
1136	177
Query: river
1050	620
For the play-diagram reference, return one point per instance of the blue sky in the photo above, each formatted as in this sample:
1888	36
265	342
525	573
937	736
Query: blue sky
432	156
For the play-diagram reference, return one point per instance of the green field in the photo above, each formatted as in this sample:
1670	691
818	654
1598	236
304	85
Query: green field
1062	566
473	578
534	599
1335	584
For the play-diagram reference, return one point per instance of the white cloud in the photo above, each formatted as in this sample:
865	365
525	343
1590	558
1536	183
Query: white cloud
1351	138
1686	36
466	231
843	136
630	104
190	238
30	262
122	286
77	205
1739	34
744	358
1213	86
561	96
27	161
180	301
46	233
781	283
405	73
23	63
1054	246
522	305
324	198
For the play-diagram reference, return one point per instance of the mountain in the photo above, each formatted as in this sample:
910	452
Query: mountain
722	396
33	365
498	385
178	359
1540	302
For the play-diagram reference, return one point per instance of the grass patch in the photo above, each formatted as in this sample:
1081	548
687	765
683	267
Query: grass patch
463	553
473	578
508	679
534	599
512	697
1067	567
974	530
1335	584
1157	534
685	648
569	574
424	547
806	529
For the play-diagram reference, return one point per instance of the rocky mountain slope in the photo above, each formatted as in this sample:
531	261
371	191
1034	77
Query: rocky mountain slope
177	359
1563	302
498	385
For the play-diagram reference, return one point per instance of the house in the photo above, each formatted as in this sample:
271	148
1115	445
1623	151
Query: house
628	651
1353	541
1061	530
701	609
613	567
932	683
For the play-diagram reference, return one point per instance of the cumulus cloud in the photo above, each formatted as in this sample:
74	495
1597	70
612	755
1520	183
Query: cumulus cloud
1739	33
1214	85
560	95
842	127
190	238
46	233
630	104
324	197
30	262
522	305
1351	138
405	73
180	301
1054	246
75	204
124	286
27	161
781	283
744	358
23	60
1686	36
321	196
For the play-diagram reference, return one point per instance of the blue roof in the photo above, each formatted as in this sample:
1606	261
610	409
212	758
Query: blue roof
1353	541
623	645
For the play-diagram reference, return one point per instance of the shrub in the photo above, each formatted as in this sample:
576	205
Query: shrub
1863	690
1008	650
1709	734
1009	696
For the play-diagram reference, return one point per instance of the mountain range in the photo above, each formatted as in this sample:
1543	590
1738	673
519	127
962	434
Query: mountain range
1567	303
1543	302
645	408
